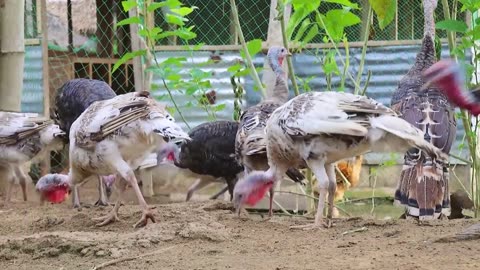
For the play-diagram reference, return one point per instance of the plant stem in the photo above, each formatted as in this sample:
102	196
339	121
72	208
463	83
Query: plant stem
248	57
291	72
357	86
150	45
451	39
364	49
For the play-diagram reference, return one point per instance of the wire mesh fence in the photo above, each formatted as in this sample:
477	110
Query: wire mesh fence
93	43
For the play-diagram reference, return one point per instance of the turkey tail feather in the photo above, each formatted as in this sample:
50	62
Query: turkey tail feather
295	175
423	189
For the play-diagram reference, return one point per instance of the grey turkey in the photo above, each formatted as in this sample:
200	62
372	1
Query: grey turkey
317	129
24	137
423	186
71	100
251	142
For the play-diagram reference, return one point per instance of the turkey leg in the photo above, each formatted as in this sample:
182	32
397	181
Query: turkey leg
102	199
113	215
319	169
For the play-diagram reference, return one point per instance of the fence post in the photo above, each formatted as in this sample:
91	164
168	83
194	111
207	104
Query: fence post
12	54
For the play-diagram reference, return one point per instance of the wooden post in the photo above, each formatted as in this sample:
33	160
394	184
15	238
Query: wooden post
12	54
274	37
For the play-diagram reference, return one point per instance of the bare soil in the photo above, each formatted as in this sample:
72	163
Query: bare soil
207	235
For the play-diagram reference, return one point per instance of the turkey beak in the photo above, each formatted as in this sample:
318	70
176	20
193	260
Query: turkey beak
59	134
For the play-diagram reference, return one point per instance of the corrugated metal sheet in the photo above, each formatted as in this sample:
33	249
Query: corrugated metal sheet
388	65
32	94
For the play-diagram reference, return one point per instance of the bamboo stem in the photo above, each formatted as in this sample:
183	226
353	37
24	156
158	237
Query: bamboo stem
248	57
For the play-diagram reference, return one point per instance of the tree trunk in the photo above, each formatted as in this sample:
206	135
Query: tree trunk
12	54
274	37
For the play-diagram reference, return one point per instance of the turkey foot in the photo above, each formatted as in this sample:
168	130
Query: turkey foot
102	203
110	218
146	215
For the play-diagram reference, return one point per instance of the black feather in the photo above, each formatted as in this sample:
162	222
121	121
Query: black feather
74	97
212	151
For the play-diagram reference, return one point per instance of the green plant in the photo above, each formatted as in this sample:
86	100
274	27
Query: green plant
470	33
177	74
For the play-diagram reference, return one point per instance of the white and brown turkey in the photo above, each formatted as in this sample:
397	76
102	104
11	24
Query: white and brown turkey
24	137
423	185
251	139
71	100
115	136
317	129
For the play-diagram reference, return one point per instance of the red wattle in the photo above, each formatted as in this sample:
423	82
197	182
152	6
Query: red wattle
56	195
171	157
258	194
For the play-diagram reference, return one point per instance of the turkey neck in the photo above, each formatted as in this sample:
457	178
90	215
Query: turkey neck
426	57
428	12
280	91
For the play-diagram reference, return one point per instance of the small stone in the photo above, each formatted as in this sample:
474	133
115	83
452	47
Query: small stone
53	252
84	251
145	243
100	253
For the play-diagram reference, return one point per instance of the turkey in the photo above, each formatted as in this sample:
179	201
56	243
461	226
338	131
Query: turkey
211	151
71	100
422	188
450	78
24	137
317	129
251	142
116	135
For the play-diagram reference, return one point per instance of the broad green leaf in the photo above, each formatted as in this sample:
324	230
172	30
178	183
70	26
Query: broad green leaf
311	34
335	22
297	17
175	19
309	5
184	11
301	31
346	3
477	21
168	3
127	5
127	57
175	61
385	11
174	77
452	25
191	90
253	46
234	68
219	107
130	20
471	5
185	34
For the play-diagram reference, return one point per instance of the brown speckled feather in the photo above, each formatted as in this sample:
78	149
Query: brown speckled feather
251	133
111	115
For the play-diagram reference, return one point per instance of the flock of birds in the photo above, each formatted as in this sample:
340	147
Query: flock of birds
110	136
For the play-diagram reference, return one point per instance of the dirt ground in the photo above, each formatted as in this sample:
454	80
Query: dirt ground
207	235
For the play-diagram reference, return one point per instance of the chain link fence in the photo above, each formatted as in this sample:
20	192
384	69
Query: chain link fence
95	43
